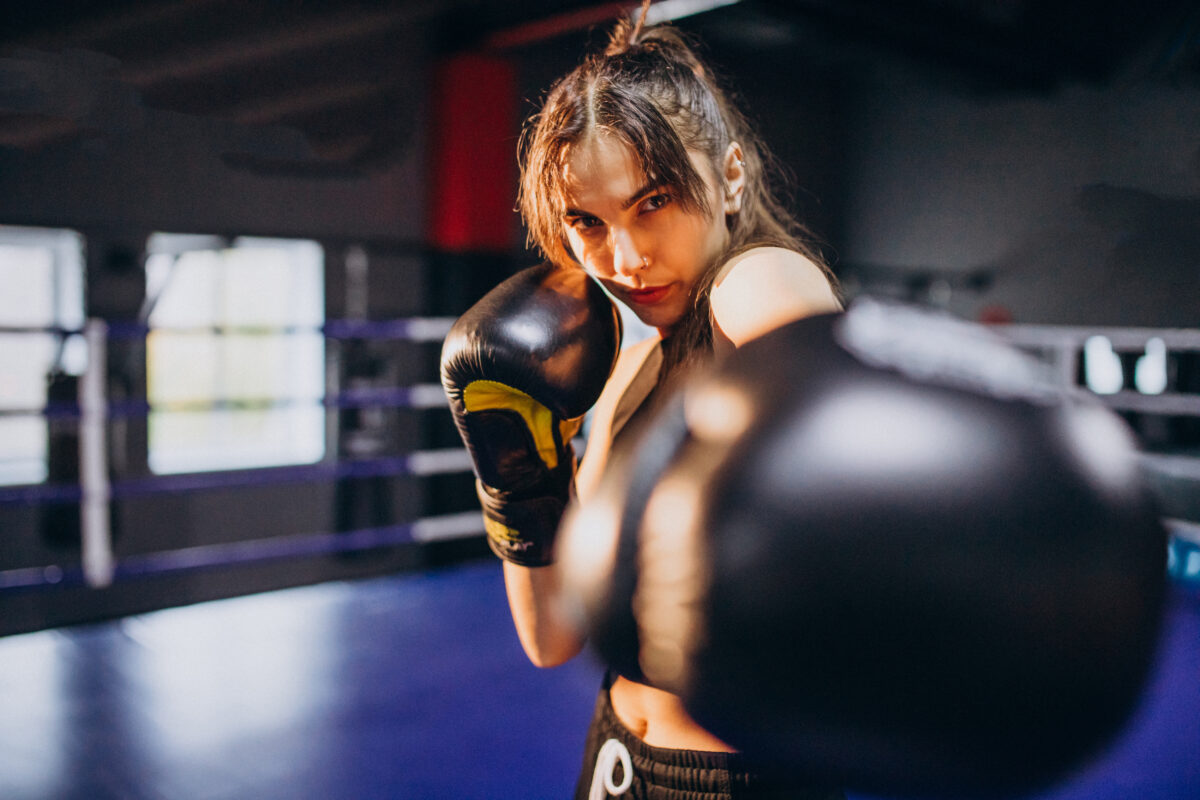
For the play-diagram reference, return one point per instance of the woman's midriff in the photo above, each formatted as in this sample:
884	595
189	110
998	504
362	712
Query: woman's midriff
659	719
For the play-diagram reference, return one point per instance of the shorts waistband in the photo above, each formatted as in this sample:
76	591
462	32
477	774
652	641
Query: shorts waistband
693	771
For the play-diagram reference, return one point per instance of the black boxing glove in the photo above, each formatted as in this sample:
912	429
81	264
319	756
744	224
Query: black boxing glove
520	369
877	550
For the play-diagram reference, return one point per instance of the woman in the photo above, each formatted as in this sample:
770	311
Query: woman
639	170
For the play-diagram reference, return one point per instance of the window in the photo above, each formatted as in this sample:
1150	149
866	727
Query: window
235	356
41	275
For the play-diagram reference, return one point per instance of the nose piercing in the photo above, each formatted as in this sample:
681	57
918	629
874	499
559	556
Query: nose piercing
645	261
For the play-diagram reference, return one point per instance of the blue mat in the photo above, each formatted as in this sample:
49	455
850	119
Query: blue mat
406	686
412	686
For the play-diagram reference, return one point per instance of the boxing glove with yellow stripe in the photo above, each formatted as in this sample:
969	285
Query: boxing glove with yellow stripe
521	368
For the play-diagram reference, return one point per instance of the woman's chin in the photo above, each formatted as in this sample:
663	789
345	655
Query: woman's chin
662	322
663	317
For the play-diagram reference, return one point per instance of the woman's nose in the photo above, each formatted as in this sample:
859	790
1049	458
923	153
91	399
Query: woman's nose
627	257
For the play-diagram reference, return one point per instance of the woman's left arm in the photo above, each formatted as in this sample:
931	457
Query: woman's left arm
761	289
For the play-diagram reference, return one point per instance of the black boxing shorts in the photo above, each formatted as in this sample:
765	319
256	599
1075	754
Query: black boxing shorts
619	764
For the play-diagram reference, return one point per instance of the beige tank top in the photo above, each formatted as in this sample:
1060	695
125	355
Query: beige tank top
636	395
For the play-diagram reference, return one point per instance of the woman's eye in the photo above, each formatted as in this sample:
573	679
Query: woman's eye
584	223
655	202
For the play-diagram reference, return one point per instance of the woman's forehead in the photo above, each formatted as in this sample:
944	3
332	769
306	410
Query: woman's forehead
599	151
601	164
605	166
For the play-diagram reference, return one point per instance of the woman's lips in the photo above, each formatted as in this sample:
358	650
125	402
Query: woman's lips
648	295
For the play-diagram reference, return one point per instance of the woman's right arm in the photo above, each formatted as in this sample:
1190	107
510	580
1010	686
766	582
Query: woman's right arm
535	595
539	614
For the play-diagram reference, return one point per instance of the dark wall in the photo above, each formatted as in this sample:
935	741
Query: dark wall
1082	202
144	166
137	169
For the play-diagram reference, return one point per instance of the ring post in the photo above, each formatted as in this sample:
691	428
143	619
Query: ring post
98	563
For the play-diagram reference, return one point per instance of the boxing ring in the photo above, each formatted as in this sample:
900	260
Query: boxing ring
99	566
414	685
1060	347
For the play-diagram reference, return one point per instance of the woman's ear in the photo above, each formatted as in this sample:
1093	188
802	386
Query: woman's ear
734	174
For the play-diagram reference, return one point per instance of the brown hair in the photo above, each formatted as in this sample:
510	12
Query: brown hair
651	89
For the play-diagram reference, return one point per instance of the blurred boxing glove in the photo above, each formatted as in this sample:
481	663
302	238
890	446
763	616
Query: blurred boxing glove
876	550
521	368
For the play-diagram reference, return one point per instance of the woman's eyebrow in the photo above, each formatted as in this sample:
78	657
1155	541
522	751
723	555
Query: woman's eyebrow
639	194
633	200
649	187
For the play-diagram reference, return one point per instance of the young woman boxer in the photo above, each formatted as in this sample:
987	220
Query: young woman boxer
640	172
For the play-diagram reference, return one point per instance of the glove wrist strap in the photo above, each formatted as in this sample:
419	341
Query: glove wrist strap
521	531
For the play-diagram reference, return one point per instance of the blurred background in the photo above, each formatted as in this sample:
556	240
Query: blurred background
232	236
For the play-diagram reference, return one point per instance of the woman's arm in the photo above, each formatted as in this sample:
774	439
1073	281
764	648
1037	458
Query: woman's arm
535	595
535	600
762	289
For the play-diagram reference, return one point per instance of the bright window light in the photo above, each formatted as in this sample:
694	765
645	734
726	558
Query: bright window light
235	357
41	270
1102	370
1150	374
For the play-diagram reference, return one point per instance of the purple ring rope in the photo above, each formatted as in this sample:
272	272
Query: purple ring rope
421	329
250	551
234	479
374	397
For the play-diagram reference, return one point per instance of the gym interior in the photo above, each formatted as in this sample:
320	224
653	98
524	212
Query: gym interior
241	552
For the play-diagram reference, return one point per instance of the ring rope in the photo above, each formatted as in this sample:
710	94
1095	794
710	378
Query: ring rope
416	329
251	551
418	463
418	396
1183	553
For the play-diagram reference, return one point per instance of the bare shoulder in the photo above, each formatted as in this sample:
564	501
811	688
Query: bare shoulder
766	287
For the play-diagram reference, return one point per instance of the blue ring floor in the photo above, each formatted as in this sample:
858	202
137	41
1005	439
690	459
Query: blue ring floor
409	686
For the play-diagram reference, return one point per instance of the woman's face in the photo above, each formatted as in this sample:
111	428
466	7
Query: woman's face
637	239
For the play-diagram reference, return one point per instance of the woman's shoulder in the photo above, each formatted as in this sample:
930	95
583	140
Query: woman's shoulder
772	268
765	287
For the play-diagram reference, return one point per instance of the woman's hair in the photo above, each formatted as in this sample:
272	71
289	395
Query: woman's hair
651	90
